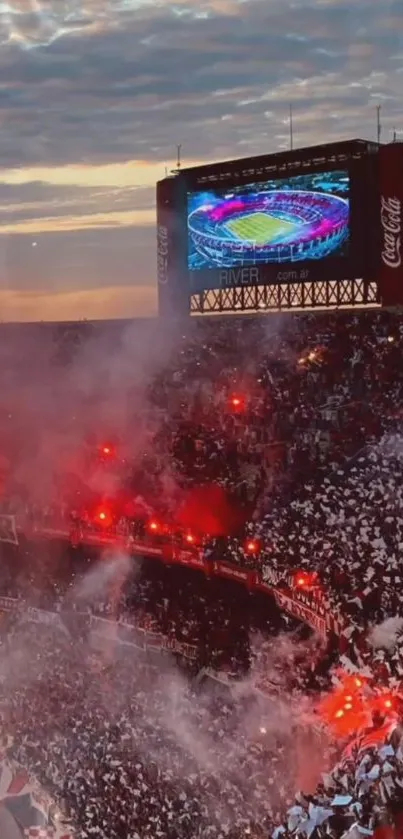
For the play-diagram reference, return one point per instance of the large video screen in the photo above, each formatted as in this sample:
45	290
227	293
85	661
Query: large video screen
303	218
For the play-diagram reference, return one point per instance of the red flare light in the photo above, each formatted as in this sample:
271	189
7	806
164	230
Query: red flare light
158	528
302	579
346	709
251	547
208	510
237	403
106	450
103	517
189	538
154	526
305	579
385	703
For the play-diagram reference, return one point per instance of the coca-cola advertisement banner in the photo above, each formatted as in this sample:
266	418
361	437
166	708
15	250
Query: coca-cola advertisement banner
391	223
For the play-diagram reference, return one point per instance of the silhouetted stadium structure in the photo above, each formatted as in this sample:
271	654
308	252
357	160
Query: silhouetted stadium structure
293	230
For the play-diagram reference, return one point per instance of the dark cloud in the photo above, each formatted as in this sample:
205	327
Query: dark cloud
39	200
78	261
123	91
109	81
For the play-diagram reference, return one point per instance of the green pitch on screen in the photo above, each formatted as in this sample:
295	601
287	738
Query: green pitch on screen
260	228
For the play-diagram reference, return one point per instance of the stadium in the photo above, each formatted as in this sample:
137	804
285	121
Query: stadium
275	227
201	528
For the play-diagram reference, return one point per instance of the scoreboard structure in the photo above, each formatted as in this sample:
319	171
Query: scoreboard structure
311	228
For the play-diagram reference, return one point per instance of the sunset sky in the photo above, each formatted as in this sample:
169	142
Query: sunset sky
96	94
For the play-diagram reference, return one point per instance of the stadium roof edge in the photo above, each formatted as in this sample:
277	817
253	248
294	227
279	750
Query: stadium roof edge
326	149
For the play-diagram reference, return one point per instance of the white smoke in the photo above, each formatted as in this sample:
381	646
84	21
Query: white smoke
385	634
240	745
105	579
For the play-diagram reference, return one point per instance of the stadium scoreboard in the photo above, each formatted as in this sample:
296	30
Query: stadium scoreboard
305	228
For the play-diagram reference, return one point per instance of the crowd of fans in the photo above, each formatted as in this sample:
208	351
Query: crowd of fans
299	421
131	743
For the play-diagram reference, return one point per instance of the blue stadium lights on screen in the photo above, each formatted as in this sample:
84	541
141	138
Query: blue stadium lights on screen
298	219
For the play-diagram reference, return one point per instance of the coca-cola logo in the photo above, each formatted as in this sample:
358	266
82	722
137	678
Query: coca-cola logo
162	254
391	222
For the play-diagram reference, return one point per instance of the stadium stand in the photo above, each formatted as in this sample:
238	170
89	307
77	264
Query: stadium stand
278	450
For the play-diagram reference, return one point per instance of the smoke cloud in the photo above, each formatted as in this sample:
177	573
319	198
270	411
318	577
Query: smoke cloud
53	412
232	750
385	635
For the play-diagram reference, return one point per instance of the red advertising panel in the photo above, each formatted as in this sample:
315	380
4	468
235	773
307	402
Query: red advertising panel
391	218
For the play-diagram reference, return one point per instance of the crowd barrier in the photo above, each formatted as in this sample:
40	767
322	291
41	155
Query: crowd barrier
308	604
129	634
132	634
124	632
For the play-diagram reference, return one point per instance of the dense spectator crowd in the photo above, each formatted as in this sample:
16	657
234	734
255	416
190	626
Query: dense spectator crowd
130	743
299	421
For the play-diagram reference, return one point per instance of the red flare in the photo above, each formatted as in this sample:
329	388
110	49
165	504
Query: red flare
104	517
208	511
252	547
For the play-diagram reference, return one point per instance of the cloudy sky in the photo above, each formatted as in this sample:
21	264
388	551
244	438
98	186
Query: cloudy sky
96	94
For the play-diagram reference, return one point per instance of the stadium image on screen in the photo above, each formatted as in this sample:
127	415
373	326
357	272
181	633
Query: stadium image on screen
298	219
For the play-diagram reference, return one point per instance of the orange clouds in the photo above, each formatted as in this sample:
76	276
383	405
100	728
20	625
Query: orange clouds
94	304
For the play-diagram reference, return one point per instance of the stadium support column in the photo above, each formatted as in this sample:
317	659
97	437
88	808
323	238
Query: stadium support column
173	291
